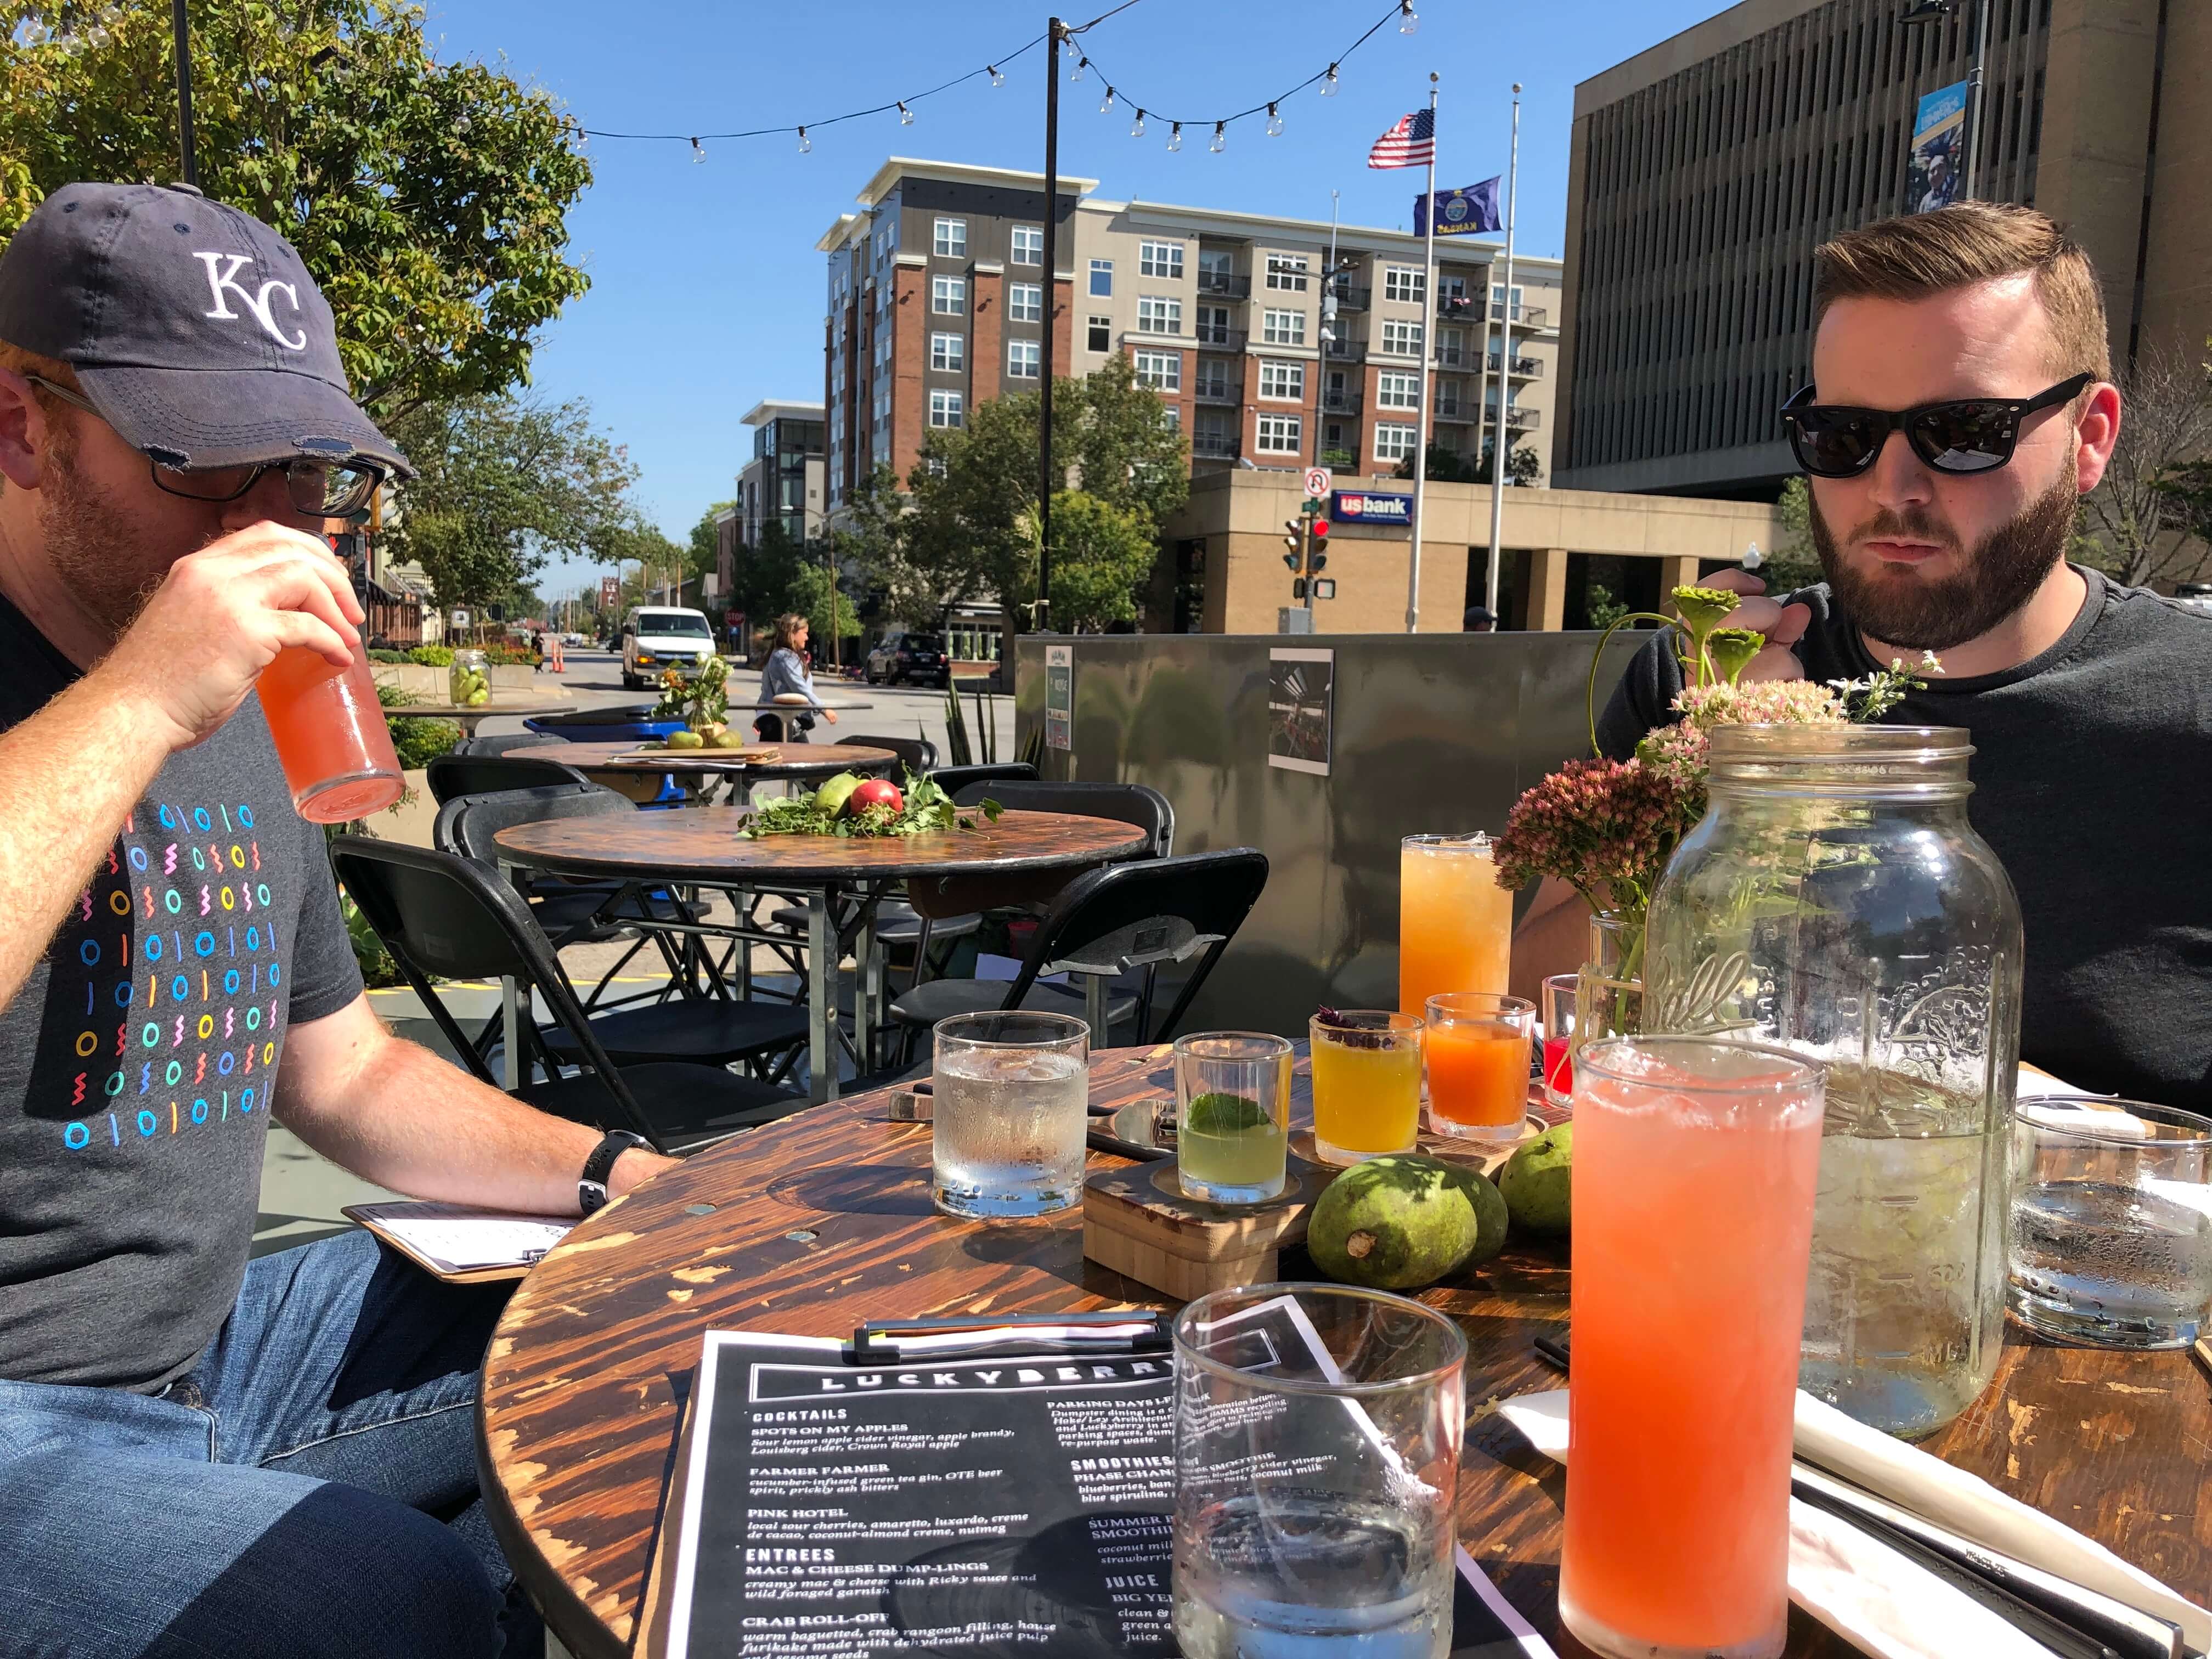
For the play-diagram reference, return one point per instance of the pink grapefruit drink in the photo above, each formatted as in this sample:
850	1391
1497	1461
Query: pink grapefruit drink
1695	1165
330	735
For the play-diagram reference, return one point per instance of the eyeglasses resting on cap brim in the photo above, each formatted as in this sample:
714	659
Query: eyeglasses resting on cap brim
325	490
1958	435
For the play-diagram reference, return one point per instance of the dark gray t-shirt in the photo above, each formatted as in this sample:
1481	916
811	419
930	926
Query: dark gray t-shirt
2093	778
136	1065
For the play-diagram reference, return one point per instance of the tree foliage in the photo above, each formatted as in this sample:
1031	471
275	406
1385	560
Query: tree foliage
505	485
1102	554
1793	562
1449	466
704	552
429	200
2150	519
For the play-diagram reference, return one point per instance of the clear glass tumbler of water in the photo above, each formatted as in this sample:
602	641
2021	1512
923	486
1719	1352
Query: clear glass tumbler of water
1317	1443
2111	1222
1012	1094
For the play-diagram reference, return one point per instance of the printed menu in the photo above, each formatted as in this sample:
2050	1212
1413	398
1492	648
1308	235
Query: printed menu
980	1504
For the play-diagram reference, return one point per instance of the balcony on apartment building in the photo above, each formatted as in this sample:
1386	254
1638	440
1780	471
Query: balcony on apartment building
1343	402
1524	369
1224	284
1218	389
1214	446
1519	419
1344	351
1528	316
1349	298
1453	356
1221	337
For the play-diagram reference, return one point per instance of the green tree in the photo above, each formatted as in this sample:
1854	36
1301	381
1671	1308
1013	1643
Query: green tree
1793	562
706	549
810	596
1449	466
429	200
1101	556
505	484
972	486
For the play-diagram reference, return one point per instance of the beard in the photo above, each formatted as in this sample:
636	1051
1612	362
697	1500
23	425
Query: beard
95	544
1923	614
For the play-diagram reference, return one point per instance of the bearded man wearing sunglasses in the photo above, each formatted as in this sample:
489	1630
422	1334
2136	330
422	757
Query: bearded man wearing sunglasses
1960	406
201	1453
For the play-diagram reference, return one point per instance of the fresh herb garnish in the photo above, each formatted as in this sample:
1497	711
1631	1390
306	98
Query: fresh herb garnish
1223	1114
1359	1033
927	807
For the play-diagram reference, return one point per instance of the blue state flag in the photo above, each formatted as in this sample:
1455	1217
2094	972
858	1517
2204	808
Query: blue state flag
1460	212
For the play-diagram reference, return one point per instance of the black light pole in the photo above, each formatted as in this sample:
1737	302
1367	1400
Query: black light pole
1051	294
182	30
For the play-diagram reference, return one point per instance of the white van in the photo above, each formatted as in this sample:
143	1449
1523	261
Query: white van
655	637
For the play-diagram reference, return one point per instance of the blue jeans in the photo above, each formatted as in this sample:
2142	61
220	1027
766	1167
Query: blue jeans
308	1489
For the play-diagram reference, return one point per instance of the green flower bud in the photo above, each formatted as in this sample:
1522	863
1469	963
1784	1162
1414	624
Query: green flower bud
1704	609
1731	650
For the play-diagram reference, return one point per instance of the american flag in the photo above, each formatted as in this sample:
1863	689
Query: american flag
1410	144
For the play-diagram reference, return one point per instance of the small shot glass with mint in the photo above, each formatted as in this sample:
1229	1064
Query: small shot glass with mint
1233	1115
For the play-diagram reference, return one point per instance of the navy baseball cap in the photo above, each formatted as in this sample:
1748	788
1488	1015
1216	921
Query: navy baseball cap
193	328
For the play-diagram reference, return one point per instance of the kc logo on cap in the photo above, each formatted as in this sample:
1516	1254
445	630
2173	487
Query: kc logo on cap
256	303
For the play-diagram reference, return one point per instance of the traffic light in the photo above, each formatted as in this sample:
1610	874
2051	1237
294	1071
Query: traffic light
1297	587
1294	541
1316	560
1324	587
1320	527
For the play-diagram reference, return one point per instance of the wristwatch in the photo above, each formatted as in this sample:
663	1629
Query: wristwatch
592	1187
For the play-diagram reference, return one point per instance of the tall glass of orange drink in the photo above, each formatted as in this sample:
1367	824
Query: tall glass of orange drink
1695	1163
1478	1047
1454	921
330	735
1366	1083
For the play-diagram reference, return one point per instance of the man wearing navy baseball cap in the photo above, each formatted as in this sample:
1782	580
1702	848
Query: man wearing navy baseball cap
199	1453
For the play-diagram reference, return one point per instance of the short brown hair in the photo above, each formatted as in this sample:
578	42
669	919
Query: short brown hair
1916	255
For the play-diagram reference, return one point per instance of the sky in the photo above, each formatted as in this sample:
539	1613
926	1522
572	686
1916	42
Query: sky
707	292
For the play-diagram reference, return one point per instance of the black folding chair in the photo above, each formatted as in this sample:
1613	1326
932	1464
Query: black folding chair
918	754
499	746
455	774
447	916
1125	803
1107	924
953	778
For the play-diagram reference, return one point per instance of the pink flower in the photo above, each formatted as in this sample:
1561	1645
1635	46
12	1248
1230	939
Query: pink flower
1606	827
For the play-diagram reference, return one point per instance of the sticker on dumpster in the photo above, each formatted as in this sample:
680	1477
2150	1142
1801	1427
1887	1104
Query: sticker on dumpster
1364	507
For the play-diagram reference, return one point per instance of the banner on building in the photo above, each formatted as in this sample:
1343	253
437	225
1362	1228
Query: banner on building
1460	212
1938	163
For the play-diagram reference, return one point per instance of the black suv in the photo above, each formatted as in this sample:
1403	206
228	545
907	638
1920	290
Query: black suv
901	657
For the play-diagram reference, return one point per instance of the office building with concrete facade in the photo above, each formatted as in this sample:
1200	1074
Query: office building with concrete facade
1704	173
783	483
937	302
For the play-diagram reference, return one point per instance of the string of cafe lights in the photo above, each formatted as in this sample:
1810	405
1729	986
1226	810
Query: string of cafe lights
1400	11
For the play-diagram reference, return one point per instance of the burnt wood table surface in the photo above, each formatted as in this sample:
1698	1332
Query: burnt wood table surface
818	1223
798	761
700	846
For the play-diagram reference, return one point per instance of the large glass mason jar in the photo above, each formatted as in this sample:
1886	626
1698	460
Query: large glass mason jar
1835	901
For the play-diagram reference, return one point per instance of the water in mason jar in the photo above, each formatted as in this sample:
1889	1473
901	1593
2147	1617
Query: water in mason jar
1313	1576
2119	1264
1905	1305
1007	1132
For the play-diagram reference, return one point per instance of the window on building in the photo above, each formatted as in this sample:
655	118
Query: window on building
1029	244
1403	283
1397	392
1402	338
1287	272
1451	347
946	409
1214	324
1025	303
1172	414
948	296
948	352
1022	359
952	239
1283	327
1213	380
1279	435
1160	370
1102	279
1158	314
1159	259
1100	334
1497	301
1216	267
1279	379
1393	441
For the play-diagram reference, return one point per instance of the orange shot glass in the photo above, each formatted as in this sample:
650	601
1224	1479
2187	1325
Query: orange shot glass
1478	1046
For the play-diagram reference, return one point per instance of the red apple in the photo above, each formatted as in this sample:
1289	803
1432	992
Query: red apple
876	792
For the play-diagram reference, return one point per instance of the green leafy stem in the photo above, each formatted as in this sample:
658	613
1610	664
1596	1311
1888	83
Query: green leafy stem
1716	655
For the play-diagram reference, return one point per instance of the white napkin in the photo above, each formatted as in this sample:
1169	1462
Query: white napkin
1867	1593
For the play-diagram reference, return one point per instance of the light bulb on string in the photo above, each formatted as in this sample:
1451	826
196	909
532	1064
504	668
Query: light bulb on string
1409	20
906	115
1328	82
698	153
1174	136
997	79
1220	137
1081	64
1107	102
1137	126
805	142
1275	123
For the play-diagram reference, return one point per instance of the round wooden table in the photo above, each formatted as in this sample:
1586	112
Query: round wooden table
470	716
814	1224
798	761
699	846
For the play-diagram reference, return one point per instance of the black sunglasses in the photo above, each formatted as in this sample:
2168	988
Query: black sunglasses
327	489
1966	434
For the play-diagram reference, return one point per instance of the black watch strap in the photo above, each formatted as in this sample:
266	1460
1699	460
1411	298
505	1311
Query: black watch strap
592	1186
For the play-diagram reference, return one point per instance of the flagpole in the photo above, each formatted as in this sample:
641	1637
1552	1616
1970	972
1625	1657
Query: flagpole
1499	445
1428	364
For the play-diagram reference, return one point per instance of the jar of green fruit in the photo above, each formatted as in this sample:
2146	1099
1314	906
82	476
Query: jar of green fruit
470	680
